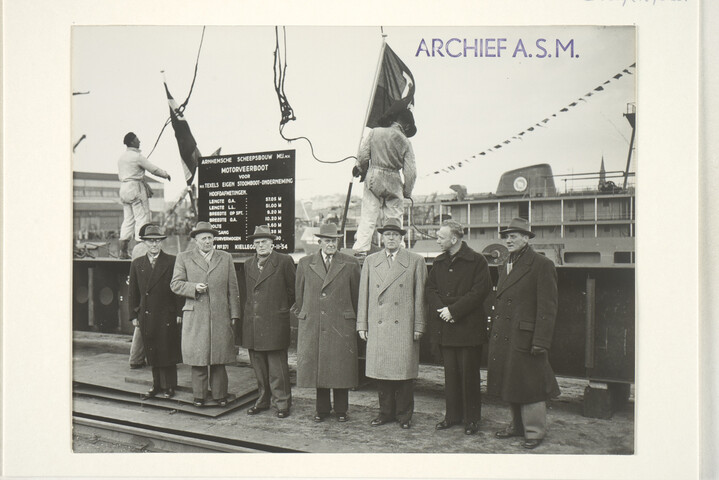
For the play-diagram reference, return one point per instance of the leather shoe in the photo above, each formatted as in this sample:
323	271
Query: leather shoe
405	425
531	443
318	418
507	434
254	410
169	393
444	425
343	417
135	366
471	428
222	402
283	413
379	421
198	402
150	394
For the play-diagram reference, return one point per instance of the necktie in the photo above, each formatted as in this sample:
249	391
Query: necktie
328	261
390	258
152	261
509	267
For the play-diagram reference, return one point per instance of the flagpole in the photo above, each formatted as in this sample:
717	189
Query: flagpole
364	124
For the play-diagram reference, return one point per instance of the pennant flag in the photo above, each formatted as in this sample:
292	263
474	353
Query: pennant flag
618	76
573	104
185	140
394	83
599	88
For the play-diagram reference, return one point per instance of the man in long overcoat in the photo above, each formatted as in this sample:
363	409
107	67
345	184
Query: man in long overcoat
155	312
457	286
270	280
525	312
391	318
326	292
206	278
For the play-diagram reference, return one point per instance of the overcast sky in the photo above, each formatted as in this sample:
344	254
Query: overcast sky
464	104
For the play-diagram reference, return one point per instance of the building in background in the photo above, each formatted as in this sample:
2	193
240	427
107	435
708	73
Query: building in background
97	210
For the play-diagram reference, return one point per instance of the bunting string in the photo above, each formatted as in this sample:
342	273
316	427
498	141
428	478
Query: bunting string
533	128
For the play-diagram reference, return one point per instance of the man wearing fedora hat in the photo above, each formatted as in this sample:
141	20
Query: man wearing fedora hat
326	308
155	311
206	278
525	311
383	154
270	281
391	319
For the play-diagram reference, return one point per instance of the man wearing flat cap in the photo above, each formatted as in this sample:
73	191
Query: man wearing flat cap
525	311
270	281
206	278
134	190
391	319
326	292
155	311
383	154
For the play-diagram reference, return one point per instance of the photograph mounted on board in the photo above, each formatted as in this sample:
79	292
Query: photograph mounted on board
375	230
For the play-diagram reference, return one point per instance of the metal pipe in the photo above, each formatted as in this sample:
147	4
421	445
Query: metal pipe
590	320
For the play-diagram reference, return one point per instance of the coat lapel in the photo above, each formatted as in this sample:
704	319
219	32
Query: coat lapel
336	267
214	261
399	266
199	259
519	269
317	265
267	269
161	265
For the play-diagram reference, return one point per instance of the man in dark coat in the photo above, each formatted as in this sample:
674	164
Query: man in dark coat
156	311
525	312
456	288
270	279
326	292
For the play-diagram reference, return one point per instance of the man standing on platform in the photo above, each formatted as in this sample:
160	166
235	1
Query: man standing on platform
382	155
391	319
457	286
522	329
207	279
155	311
270	279
134	191
326	307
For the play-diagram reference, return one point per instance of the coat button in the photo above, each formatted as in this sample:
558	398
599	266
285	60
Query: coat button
451	270
324	294
396	303
509	302
380	321
396	321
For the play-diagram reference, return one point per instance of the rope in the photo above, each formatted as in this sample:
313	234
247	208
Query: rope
425	235
183	105
286	111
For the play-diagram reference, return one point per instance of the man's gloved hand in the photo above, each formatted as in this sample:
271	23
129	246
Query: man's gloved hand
356	172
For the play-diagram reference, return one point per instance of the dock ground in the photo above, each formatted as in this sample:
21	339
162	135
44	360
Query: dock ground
568	431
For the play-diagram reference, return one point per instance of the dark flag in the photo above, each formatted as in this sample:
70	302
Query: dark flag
394	82
185	140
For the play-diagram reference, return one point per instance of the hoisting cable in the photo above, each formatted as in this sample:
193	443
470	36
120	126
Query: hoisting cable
280	68
182	106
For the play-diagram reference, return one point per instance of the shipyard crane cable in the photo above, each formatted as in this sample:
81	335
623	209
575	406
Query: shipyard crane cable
280	69
183	105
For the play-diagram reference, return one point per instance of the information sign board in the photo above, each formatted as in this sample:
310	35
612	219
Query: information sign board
241	191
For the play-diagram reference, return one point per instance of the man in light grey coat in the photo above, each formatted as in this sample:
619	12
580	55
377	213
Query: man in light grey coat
391	318
206	278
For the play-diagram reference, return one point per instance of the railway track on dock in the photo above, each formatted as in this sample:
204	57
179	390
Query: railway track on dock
161	439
